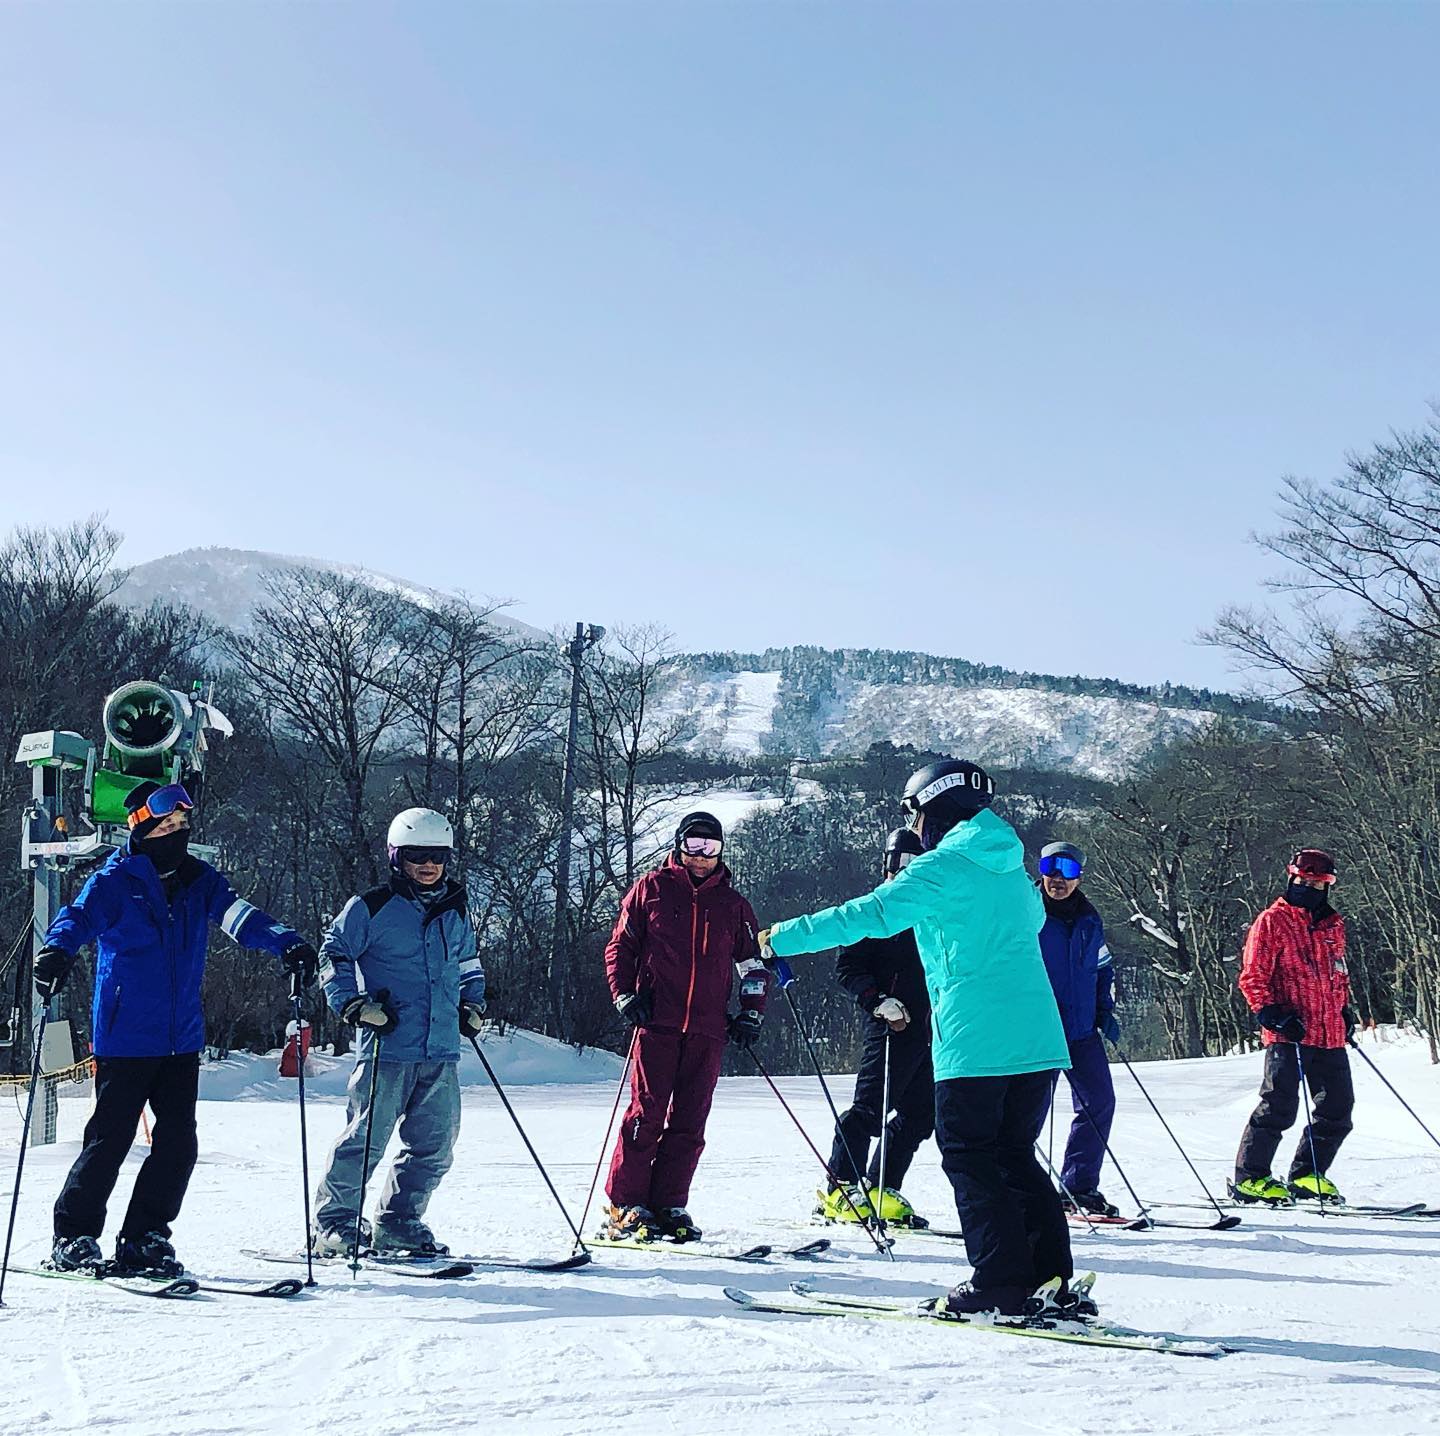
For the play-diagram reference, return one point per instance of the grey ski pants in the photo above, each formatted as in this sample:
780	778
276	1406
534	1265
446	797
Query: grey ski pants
423	1098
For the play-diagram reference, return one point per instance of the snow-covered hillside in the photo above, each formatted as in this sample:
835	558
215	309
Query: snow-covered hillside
1335	1316
225	584
1008	727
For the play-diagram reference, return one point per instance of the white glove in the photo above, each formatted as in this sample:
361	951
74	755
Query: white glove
892	1011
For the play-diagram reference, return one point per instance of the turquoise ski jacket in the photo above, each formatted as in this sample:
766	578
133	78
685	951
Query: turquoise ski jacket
977	918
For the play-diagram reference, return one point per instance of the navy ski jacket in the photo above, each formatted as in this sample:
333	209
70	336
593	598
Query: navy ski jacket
422	953
1080	967
150	953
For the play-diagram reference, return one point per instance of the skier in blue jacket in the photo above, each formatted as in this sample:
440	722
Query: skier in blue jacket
399	964
148	910
1072	943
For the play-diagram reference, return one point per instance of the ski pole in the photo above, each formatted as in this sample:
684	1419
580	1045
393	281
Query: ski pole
1219	1211
1309	1128
529	1147
1105	1142
878	1208
369	1128
786	979
880	1245
304	1142
1065	1191
1371	1064
605	1140
24	1141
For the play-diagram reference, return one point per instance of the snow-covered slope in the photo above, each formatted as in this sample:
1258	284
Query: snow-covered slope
225	584
1008	727
1335	1316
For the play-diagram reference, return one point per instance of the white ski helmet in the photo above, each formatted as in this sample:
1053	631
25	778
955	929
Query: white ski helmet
418	828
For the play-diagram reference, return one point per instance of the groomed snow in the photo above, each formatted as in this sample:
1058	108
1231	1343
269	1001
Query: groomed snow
1338	1316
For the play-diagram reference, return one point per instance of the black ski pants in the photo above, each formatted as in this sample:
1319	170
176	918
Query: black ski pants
1015	1229
1327	1072
123	1085
912	1100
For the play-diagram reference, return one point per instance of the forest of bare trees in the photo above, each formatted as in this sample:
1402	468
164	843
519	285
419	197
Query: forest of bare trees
350	702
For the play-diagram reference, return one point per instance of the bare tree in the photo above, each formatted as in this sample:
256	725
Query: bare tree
331	656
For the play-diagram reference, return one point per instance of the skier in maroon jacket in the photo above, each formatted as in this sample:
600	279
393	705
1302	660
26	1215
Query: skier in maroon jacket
683	931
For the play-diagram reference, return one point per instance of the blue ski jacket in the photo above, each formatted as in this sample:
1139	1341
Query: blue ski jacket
150	953
1080	967
423	953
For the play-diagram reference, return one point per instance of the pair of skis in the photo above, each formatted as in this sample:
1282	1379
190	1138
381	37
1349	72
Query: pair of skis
165	1288
810	1301
759	1253
429	1268
1414	1211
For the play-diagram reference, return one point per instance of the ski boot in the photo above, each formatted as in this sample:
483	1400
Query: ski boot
1263	1190
1309	1187
407	1238
844	1204
629	1224
677	1225
76	1254
970	1301
339	1241
895	1211
147	1255
1093	1202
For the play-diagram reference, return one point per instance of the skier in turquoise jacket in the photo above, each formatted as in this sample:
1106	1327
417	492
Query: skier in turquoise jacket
998	1039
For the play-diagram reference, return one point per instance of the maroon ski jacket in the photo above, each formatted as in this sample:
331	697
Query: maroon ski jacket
1290	962
683	944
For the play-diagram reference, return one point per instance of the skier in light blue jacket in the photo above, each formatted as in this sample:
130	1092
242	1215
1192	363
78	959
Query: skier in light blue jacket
998	1041
399	964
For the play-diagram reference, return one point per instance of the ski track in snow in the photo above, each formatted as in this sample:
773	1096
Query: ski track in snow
1338	1315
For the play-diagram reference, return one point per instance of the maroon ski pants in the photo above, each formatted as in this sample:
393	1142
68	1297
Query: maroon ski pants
663	1131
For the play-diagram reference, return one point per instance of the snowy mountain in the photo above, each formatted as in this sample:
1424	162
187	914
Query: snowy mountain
226	584
805	702
745	713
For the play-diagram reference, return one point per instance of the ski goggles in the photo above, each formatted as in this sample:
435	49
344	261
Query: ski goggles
161	803
1061	865
701	847
421	856
1309	874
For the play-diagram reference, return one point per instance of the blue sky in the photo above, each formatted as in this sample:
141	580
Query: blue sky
985	330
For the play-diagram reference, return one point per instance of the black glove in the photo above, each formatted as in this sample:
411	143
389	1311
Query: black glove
1351	1019
52	967
1282	1021
373	1010
472	1017
300	960
744	1027
637	1008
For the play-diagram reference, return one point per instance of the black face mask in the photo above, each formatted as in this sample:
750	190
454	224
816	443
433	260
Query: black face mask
1299	894
167	852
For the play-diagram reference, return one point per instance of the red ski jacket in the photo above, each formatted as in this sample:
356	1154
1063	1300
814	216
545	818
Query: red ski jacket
684	944
1290	962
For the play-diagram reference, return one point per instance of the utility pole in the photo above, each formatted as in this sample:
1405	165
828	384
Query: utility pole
586	637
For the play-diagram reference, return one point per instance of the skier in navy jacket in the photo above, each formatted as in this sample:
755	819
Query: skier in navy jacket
148	910
1072	943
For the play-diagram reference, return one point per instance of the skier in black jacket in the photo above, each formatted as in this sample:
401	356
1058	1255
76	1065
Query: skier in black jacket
885	978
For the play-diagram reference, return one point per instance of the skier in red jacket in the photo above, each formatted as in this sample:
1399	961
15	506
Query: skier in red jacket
1295	979
683	931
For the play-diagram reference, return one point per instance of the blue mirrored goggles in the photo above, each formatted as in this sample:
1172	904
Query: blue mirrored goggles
161	803
1061	865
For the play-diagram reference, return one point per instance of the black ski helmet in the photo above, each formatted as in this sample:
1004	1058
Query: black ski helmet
947	793
900	846
698	825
